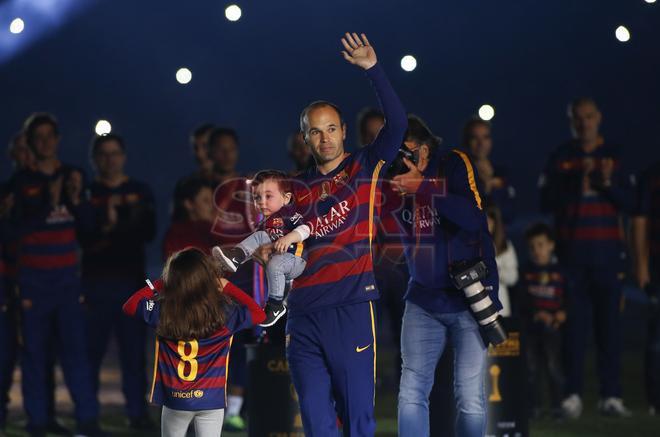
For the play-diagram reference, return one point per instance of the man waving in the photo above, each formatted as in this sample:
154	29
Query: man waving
331	328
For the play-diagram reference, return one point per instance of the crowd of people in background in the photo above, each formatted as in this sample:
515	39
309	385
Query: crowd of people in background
67	307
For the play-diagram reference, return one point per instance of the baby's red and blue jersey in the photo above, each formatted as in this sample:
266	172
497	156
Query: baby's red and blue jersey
282	222
191	374
544	288
339	208
588	222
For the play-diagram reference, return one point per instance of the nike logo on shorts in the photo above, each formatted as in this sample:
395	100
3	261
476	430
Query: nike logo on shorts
359	349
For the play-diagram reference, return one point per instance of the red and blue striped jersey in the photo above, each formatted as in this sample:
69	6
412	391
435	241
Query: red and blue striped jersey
588	219
281	223
543	287
47	235
192	374
339	208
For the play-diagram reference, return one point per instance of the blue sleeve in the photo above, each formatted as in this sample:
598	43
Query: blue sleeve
386	145
457	197
148	311
239	318
621	191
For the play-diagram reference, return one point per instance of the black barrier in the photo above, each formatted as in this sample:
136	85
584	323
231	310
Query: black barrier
506	389
506	385
272	401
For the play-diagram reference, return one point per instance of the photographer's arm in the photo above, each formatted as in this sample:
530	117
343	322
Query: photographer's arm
456	197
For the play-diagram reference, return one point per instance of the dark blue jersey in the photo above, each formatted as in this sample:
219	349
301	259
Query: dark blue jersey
118	251
444	223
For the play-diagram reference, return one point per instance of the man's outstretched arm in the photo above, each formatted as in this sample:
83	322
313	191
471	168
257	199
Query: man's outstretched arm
386	145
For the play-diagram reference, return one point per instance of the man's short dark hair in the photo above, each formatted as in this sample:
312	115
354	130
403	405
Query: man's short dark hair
39	119
219	132
539	229
365	115
201	130
420	133
469	126
304	115
102	139
580	101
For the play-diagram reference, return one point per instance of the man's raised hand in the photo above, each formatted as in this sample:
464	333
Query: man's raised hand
358	50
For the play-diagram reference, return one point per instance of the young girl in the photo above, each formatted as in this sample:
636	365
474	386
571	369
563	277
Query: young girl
192	218
195	314
282	226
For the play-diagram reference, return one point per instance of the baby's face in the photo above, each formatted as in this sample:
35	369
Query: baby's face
268	198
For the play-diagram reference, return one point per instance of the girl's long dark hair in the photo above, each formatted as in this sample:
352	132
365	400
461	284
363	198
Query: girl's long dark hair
191	305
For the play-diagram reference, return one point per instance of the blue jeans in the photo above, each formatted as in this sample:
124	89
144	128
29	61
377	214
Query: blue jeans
423	339
281	267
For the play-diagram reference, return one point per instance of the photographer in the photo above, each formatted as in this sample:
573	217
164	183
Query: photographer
444	224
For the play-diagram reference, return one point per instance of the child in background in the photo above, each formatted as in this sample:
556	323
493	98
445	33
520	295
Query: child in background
195	314
282	226
192	217
543	288
505	257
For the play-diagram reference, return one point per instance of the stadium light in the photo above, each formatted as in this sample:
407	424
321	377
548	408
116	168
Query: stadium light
622	34
183	76
486	112
408	63
233	13
17	25
103	127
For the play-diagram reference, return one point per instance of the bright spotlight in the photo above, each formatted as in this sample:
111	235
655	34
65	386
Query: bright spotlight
649	1
17	25
408	63
622	34
183	76
103	127
233	13
486	112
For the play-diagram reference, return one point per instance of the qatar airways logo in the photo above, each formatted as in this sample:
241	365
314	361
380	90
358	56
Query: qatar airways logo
332	221
422	217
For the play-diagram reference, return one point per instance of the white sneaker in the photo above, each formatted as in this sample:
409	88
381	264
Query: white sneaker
572	406
652	411
613	407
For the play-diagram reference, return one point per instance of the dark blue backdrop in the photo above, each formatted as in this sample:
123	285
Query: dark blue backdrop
117	60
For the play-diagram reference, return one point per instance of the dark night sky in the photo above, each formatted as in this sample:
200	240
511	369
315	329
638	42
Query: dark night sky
117	60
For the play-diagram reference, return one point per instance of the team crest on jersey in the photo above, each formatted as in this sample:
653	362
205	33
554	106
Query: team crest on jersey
340	178
150	305
277	222
544	278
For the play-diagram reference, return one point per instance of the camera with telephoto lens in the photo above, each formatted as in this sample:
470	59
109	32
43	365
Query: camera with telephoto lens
398	166
467	276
